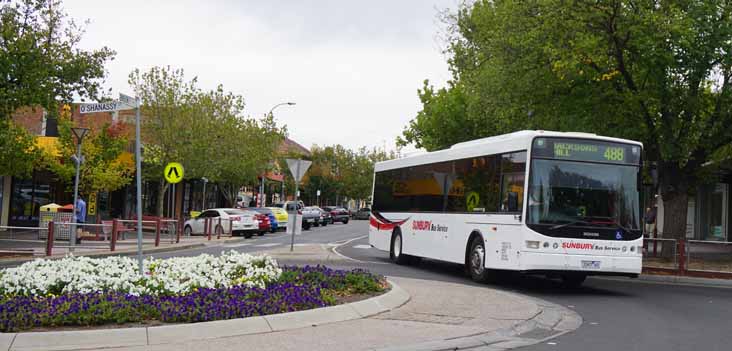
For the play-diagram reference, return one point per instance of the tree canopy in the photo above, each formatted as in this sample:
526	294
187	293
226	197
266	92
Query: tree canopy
654	71
205	131
42	66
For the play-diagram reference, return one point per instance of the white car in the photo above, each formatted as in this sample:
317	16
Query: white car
241	221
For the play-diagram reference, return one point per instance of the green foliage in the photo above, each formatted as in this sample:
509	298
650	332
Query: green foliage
339	172
203	130
658	72
18	151
40	59
104	168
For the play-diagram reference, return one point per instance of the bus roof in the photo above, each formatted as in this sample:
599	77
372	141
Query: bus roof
516	141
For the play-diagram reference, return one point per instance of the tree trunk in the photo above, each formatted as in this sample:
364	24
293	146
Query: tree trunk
675	195
162	187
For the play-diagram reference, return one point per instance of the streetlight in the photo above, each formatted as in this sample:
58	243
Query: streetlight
80	133
283	178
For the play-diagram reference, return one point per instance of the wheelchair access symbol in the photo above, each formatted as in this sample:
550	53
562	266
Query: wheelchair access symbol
472	200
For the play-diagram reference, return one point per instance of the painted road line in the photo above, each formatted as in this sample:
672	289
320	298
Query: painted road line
268	245
335	250
361	246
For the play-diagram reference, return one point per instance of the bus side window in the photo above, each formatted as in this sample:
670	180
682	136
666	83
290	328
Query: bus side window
513	170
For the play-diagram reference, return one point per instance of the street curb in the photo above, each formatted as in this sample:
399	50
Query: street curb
678	280
108	254
550	322
177	333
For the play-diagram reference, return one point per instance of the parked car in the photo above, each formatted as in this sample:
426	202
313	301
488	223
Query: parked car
289	206
242	222
325	217
281	216
311	216
274	224
363	213
338	214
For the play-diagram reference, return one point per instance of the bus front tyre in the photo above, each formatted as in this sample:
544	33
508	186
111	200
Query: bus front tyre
476	262
395	252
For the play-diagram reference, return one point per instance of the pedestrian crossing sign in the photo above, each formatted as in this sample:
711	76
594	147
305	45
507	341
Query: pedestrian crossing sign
173	172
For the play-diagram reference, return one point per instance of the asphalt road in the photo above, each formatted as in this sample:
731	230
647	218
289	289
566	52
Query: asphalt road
619	313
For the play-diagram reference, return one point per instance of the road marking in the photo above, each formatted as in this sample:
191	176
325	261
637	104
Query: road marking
237	245
267	245
335	250
361	246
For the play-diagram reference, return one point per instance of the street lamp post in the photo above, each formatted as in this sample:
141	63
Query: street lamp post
289	103
80	133
203	206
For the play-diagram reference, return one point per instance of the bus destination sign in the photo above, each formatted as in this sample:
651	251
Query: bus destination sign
586	150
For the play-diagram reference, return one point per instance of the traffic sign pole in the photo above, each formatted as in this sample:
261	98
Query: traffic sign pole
139	185
297	186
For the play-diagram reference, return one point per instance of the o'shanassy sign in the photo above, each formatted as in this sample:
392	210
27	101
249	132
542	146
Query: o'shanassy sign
173	172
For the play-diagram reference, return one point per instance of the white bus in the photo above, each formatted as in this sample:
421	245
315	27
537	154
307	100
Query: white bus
560	204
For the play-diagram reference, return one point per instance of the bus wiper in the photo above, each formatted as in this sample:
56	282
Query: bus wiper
568	224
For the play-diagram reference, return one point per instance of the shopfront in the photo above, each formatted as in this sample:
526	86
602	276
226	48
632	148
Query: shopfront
712	212
28	195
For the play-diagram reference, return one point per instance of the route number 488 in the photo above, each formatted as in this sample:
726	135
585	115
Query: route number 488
614	154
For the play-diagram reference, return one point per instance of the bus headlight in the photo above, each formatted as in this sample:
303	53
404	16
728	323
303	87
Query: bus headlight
625	248
532	244
555	246
546	245
632	249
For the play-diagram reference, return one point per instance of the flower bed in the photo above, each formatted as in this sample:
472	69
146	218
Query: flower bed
240	295
179	275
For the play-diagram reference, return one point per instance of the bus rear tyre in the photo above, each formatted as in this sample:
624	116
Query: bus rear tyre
395	252
573	280
476	262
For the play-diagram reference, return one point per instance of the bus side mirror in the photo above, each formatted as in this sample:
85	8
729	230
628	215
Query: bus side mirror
513	202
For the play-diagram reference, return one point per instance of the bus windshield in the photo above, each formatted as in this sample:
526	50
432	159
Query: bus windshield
571	193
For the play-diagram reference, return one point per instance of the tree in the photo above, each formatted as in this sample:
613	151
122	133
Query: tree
42	66
203	130
104	169
18	151
171	131
658	72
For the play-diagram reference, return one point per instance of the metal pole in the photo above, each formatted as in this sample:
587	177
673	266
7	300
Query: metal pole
203	207
72	236
282	198
139	185
294	223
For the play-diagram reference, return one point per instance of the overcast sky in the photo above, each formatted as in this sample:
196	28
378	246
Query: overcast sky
352	67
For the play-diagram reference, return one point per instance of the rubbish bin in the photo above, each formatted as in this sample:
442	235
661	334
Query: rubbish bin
61	216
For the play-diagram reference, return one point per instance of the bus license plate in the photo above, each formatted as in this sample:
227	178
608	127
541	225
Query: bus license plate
590	264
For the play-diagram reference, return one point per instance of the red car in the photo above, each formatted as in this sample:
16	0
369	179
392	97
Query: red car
264	224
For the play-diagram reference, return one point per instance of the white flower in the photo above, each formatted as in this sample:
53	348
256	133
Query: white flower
179	275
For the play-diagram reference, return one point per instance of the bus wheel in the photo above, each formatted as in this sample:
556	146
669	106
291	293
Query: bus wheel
573	280
476	261
395	252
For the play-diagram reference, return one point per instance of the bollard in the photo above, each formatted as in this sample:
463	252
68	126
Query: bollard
113	239
219	229
231	227
682	256
179	224
157	232
206	228
49	242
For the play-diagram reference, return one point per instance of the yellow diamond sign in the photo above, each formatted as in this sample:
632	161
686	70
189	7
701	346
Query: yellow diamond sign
173	172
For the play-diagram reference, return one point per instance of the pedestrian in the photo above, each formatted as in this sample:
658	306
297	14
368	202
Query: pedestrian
80	214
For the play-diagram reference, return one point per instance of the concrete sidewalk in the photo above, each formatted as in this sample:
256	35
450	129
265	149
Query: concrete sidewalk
438	316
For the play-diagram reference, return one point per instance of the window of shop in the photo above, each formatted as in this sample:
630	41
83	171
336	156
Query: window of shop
26	198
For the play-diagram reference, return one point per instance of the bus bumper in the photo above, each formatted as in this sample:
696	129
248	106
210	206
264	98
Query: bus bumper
591	265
